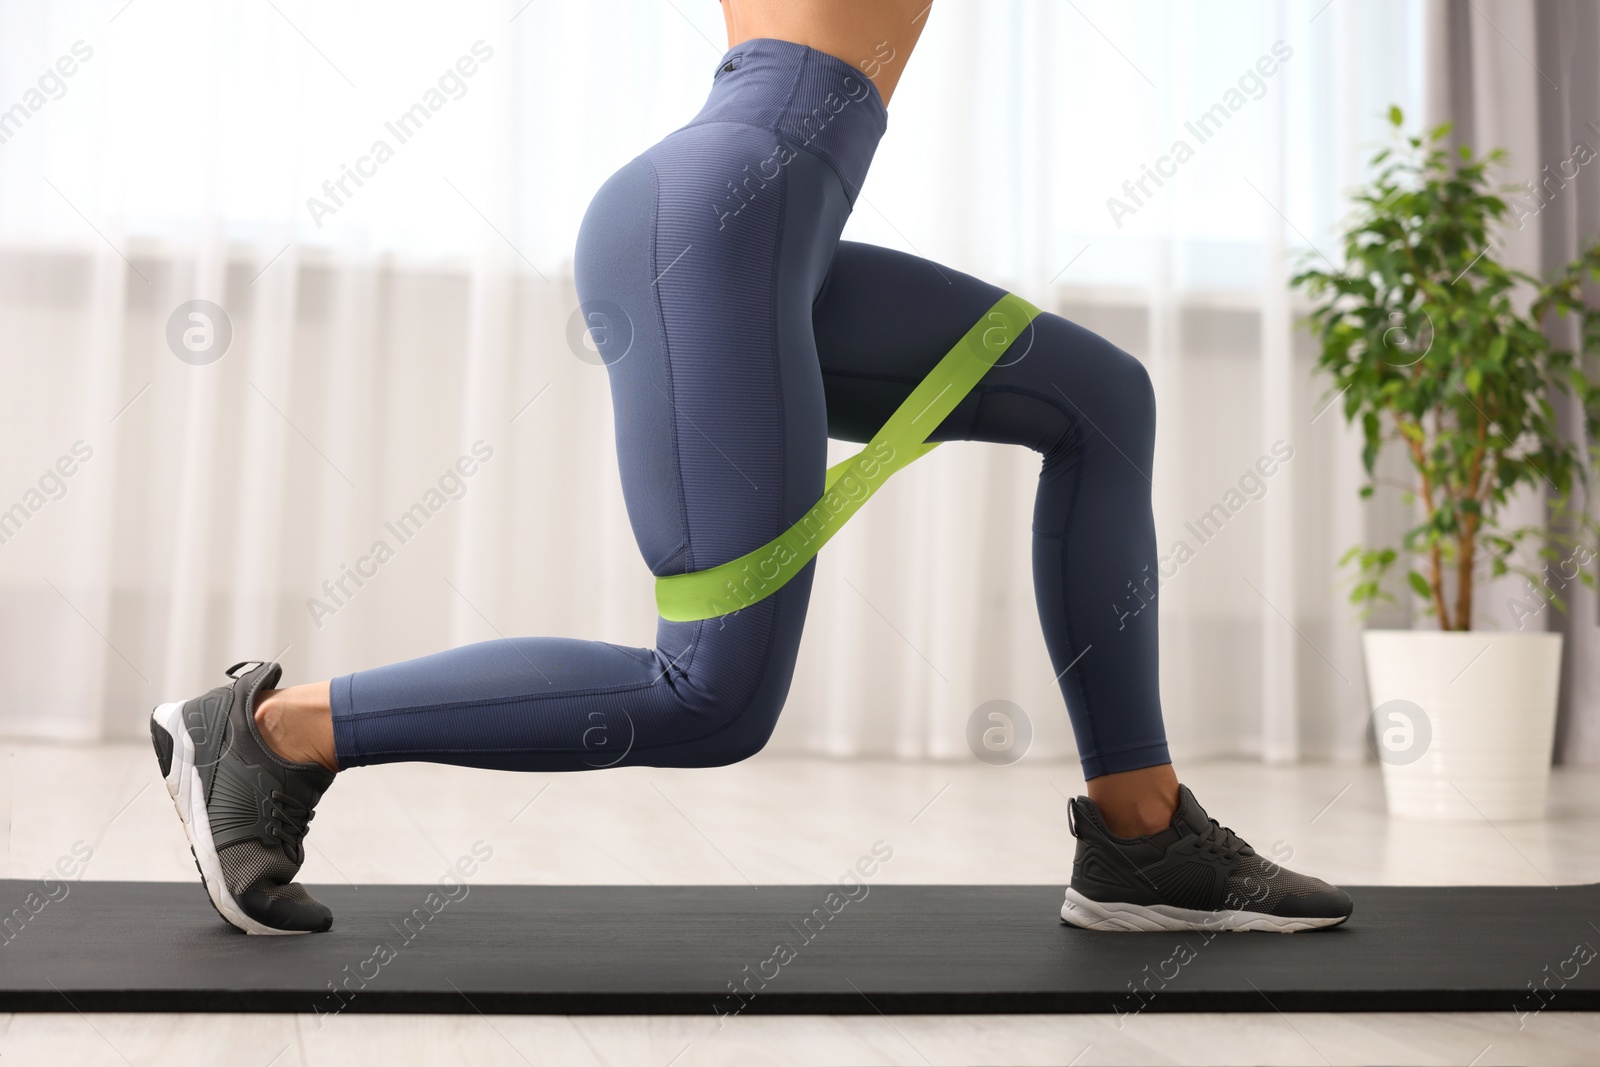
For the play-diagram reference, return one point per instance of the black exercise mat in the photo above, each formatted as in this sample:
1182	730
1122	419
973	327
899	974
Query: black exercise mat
158	946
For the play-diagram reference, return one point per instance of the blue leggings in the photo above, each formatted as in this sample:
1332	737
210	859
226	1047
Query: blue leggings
739	334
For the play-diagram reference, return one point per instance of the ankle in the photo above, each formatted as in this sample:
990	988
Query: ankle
1136	803
291	729
271	723
1138	818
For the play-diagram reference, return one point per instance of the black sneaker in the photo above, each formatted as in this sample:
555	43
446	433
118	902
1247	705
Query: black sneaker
243	808
1194	875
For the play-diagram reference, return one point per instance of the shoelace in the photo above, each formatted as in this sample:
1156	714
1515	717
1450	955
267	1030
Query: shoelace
291	815
1221	839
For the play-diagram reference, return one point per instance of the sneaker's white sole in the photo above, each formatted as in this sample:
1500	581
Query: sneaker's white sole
1079	910
183	786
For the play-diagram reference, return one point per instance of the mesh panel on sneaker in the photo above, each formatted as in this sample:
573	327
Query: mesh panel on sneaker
1258	884
249	863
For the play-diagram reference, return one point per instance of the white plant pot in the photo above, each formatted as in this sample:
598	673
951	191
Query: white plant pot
1465	721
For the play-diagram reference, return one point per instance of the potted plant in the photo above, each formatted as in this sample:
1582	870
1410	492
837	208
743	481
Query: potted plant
1437	348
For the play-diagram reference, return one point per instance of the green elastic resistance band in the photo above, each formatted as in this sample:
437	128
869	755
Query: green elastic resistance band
757	575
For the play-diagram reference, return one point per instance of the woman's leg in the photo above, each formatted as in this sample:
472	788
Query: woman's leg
697	266
1148	856
883	320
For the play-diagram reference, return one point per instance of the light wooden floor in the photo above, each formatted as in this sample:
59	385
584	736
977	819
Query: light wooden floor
643	826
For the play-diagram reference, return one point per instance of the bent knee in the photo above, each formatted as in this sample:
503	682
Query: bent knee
1137	390
746	715
1093	384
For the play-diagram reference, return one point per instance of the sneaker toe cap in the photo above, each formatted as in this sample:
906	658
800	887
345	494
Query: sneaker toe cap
286	913
1325	902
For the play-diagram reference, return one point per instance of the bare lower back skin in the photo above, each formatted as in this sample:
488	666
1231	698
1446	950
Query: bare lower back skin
874	36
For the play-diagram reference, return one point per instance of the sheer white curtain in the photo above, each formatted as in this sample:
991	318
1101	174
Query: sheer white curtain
384	202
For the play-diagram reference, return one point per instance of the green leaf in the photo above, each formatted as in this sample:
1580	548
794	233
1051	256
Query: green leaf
1396	116
1420	585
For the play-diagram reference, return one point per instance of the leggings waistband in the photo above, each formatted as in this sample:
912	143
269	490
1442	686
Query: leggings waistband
813	99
